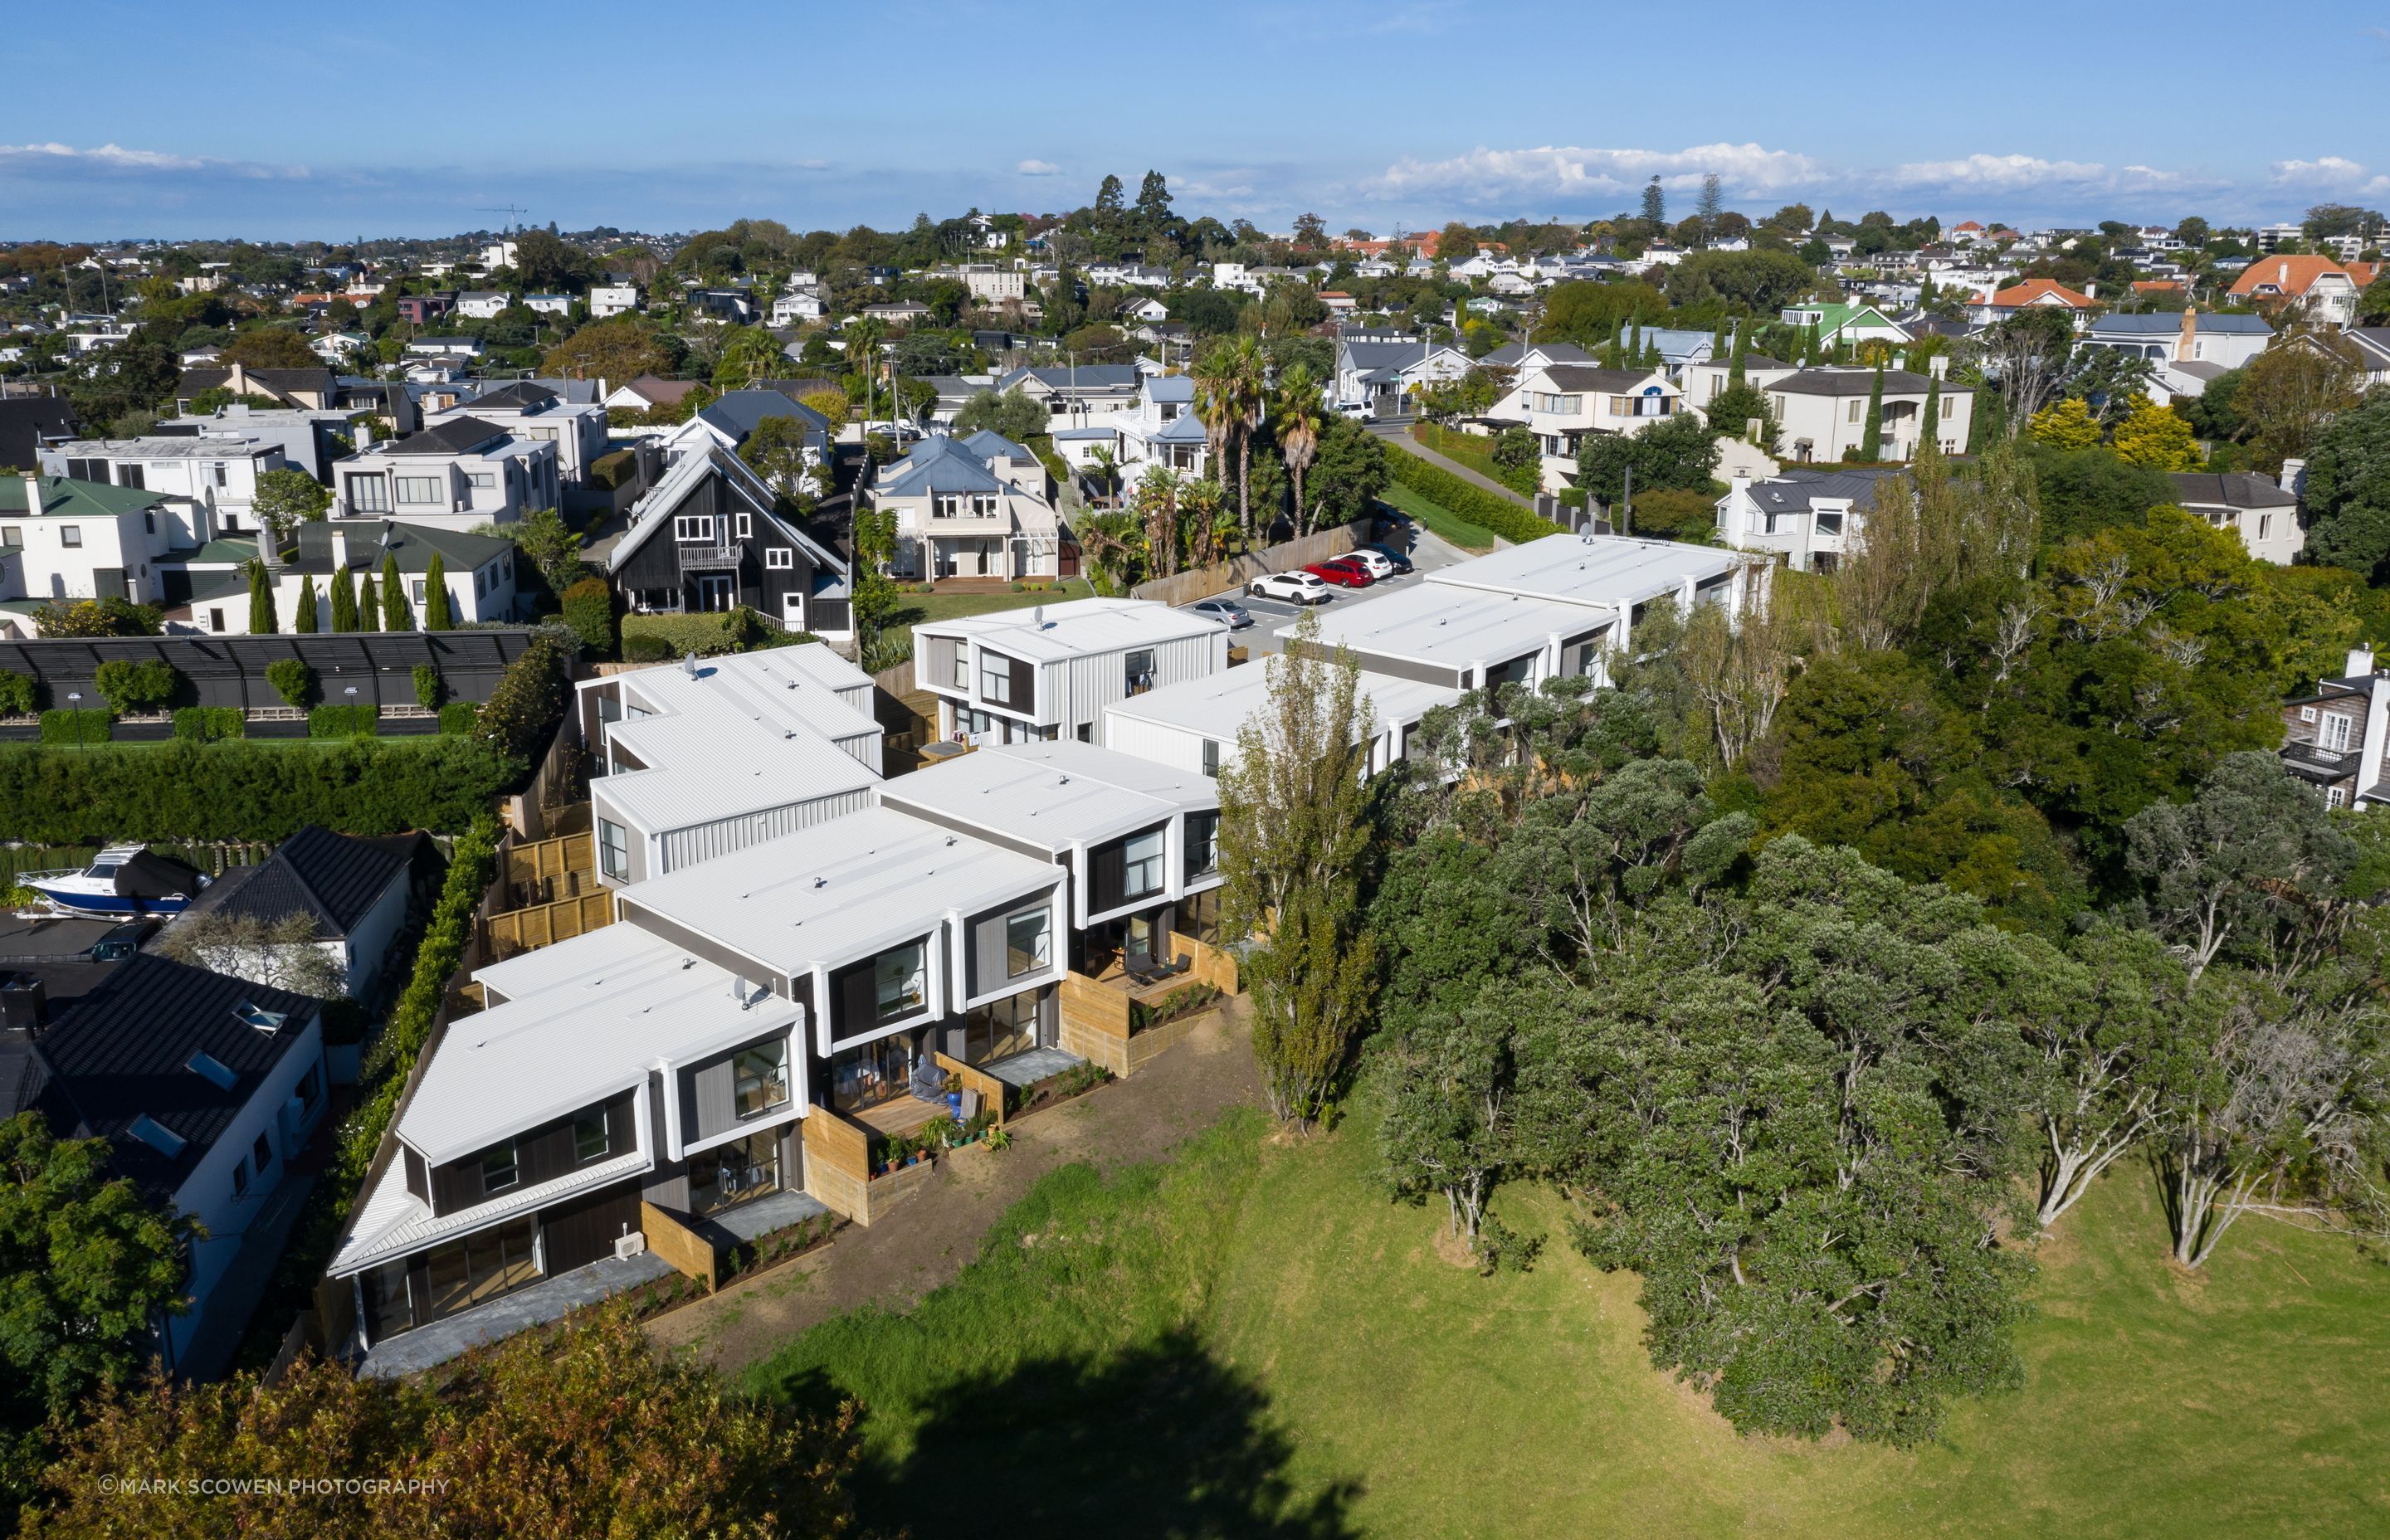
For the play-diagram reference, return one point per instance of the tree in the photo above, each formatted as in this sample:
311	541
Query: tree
1764	282
545	540
2066	424
585	1431
396	613
303	622
342	589
2100	1036
88	1268
1677	453
832	406
1928	427
619	349
286	952
268	346
874	599
1655	205
1455	242
1871	432
262	619
1293	827
1011	414
750	355
128	687
2292	389
368	604
1711	207
2156	436
2027	355
1154	202
1248	398
285	499
1299	419
778	452
2348	490
438	615
1348	472
1108	198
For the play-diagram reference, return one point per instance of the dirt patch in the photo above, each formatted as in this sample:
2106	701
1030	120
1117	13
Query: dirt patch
926	1240
1453	1246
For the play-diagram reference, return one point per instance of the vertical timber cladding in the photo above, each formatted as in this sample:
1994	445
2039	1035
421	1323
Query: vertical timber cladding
230	671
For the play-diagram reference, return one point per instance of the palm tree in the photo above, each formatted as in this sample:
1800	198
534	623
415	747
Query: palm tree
1215	377
1157	509
1107	470
1300	421
1251	400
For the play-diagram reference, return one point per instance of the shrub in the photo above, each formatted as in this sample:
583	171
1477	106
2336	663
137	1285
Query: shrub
529	702
611	470
459	716
1474	504
129	687
646	650
187	791
210	724
589	611
19	693
342	722
707	636
292	680
66	725
427	686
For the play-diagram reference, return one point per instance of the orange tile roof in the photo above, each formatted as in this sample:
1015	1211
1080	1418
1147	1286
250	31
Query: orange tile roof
1971	225
2038	290
2286	275
2362	273
2152	286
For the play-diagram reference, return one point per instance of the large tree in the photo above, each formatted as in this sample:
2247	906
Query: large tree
1678	453
2293	389
1010	414
2348	490
618	350
266	346
1760	282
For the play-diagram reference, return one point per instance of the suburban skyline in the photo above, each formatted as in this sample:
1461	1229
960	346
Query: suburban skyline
1357	113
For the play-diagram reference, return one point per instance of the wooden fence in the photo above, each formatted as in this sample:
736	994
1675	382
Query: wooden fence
991	1090
692	1253
1205	581
519	930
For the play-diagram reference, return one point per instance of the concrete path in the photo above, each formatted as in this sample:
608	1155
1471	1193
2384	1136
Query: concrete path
925	1241
1400	436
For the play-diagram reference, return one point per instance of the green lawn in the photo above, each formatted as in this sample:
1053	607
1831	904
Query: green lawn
1473	450
1436	517
1251	1340
914	609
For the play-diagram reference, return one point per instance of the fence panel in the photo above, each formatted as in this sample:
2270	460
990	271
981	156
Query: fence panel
1205	581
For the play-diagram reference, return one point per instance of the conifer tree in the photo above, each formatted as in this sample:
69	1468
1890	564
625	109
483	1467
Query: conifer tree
397	614
368	606
1929	428
436	614
303	622
344	601
1871	437
262	619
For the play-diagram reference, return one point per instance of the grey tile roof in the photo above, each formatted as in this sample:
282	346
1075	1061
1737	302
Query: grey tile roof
334	877
1858	382
740	413
456	436
2205	489
2168	324
987	444
1797	491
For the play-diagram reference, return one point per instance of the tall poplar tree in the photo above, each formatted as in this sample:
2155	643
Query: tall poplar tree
396	613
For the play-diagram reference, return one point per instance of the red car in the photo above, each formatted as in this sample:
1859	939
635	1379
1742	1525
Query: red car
1341	572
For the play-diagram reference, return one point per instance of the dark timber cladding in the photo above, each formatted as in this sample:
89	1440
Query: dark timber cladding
541	1154
1376	662
583	1229
230	671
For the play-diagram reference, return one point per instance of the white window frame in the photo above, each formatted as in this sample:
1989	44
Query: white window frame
417	491
693	529
779	558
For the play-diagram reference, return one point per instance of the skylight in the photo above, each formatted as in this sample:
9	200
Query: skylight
156	1136
267	1022
212	1069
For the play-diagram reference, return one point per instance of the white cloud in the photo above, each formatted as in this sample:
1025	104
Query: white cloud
2330	173
54	160
1507	175
1037	168
107	155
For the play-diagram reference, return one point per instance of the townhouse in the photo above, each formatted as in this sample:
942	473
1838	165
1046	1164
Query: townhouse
2227	341
1158	426
217	475
2030	294
454	475
1048	673
1836	321
1822	413
1075	392
612	299
64	539
1195	725
531	412
975	506
1809	520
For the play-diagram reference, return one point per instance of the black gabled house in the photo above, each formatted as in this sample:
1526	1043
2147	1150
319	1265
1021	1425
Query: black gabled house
706	538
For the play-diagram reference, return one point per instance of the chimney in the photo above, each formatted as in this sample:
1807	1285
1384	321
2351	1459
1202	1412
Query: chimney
2186	346
33	493
2360	662
237	383
2294	479
2282	276
1939	366
340	545
364	434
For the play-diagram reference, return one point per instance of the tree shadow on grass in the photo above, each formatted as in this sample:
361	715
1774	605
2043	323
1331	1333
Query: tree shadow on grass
1160	1441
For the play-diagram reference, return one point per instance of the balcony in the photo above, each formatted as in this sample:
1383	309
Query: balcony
695	558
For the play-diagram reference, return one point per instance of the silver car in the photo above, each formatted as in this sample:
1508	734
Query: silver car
1228	612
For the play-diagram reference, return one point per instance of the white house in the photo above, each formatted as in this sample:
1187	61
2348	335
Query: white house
461	473
1822	413
355	891
612	299
1561	403
975	506
1809	520
1048	673
529	411
2265	515
217	472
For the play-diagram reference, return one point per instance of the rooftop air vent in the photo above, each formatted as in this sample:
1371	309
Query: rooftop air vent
821	882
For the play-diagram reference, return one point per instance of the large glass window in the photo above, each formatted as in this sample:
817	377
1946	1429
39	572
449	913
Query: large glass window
1001	1028
419	489
1202	844
1028	943
1142	866
731	1173
873	1073
995	679
614	851
484	1265
760	1076
368	495
901	981
1139	671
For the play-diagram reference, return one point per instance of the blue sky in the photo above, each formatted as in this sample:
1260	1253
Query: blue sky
274	121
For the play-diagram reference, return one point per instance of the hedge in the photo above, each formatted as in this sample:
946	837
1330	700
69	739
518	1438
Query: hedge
459	716
589	611
1474	503
428	686
611	470
179	791
343	722
291	679
19	694
209	724
708	635
66	725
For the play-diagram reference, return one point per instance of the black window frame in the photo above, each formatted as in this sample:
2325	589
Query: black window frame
488	1160
584	1123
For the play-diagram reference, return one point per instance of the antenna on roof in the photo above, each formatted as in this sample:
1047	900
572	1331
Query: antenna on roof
688	665
1037	617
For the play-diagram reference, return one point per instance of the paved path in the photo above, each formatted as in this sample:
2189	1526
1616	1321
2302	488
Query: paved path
926	1240
1399	434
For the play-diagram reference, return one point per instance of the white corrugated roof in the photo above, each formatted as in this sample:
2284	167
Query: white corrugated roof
838	891
1218	707
1052	794
1075	628
1612	571
611	1004
1454	627
393	1222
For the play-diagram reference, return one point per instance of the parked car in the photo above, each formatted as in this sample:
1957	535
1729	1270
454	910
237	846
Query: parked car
123	941
1372	562
1228	612
1400	560
1295	587
1343	573
1354	409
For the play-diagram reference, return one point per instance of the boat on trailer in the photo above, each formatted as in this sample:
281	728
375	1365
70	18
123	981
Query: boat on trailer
122	882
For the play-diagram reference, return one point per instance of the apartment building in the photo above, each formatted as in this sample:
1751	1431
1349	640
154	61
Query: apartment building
1048	673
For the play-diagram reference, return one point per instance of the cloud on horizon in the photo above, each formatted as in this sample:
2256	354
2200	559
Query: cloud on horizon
1036	168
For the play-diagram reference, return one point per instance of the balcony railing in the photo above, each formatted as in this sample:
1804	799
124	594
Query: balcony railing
707	555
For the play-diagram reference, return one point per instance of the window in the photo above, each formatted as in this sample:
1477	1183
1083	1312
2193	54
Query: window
901	981
746	525
12	534
222	478
2336	733
2265	525
2307	713
419	489
311	1088
240	1180
589	1137
2336	796
1028	943
499	1169
149	520
1857	407
995	679
483	481
130	476
694	528
760	1077
368	495
1202	844
779	558
71	535
1141	670
481	584
417	585
216	620
1211	756
1142	866
614	851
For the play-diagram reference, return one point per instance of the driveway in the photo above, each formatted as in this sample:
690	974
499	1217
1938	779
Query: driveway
1274	617
1399	434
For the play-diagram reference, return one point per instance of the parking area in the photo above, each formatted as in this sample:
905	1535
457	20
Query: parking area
1272	618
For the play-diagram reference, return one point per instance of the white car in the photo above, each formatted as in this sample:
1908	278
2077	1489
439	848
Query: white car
1354	409
1378	565
1293	587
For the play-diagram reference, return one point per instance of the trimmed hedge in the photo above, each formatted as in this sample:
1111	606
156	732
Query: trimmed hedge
647	649
128	687
1476	452
611	470
708	635
211	724
428	686
1474	504
291	679
66	725
183	791
589	611
343	722
459	716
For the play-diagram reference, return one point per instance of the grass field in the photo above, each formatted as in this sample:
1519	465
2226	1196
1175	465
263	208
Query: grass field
1251	1340
912	609
1436	517
1473	450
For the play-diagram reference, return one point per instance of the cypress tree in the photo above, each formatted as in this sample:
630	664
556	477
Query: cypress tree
1929	428
397	614
1811	357
369	605
304	622
436	616
1871	437
1610	355
1741	354
261	620
344	601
